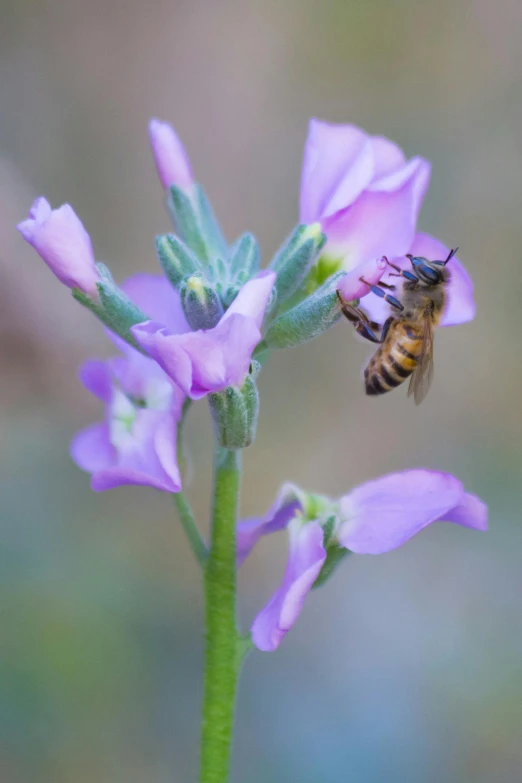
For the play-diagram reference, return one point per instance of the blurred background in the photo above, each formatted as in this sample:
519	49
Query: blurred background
405	667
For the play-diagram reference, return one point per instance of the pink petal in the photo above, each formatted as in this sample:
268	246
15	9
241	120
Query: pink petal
385	513
252	299
158	299
305	560
92	450
381	222
350	286
338	165
284	508
96	377
388	156
470	512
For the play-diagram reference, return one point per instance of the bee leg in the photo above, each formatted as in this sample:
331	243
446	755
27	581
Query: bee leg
362	324
387	297
402	273
386	328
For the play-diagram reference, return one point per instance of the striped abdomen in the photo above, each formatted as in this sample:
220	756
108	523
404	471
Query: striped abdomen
395	359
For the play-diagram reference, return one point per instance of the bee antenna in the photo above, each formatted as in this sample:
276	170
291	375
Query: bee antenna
450	255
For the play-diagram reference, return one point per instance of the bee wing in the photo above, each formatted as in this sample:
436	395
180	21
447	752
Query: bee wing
423	373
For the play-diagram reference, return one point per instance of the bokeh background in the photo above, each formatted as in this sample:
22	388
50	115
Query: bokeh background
405	667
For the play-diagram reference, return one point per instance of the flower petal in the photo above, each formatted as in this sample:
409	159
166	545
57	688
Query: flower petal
382	221
284	508
96	377
460	306
305	560
252	299
92	450
388	156
381	515
338	164
470	512
158	299
351	287
170	156
139	460
165	444
63	243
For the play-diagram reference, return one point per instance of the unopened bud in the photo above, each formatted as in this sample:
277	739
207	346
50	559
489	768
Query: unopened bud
176	259
200	302
295	258
196	224
244	262
234	414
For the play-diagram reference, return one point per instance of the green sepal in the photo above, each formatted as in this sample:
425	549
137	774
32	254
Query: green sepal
114	309
187	221
196	223
295	258
245	258
211	229
234	413
307	320
201	303
334	555
177	260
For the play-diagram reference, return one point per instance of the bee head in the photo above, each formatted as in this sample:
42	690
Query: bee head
430	272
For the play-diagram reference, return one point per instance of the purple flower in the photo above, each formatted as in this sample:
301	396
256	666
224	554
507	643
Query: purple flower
460	305
60	239
169	154
376	517
210	360
136	444
362	190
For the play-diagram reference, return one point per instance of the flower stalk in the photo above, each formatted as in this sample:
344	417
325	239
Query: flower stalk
222	661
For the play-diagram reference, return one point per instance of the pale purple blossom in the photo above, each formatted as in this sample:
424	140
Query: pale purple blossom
362	190
59	237
209	360
136	443
170	156
376	517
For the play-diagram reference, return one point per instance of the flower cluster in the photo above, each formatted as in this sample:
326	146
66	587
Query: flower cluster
198	330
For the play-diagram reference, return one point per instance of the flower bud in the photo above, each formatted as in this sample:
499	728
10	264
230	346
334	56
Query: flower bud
196	224
59	237
200	302
295	258
169	154
308	319
234	414
244	262
177	261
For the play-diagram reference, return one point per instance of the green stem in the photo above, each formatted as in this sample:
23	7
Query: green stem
188	524
222	661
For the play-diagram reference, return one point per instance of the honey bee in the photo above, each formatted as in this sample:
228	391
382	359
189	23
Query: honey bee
406	338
